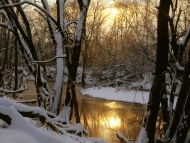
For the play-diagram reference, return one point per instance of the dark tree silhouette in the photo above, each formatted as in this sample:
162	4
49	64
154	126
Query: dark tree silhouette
158	89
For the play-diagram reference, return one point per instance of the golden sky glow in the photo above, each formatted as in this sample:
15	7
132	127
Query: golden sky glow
111	12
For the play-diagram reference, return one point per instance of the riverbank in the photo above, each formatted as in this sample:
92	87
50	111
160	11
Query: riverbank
110	93
119	94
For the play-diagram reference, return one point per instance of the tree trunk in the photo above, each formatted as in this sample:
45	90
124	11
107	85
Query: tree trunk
16	66
71	99
184	124
59	74
158	87
57	38
84	68
184	91
72	65
165	110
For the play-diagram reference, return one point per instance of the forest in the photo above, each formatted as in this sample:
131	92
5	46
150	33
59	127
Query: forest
94	71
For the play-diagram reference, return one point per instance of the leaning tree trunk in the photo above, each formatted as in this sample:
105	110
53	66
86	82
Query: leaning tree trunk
180	102
71	99
182	99
58	39
158	87
16	66
184	123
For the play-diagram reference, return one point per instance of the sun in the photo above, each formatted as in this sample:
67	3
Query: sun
111	13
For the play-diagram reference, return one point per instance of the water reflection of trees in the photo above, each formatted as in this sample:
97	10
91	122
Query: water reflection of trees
104	119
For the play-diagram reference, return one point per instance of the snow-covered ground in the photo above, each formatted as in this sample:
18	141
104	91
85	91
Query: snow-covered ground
111	93
22	130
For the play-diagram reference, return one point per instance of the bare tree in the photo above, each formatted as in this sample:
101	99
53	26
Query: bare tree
73	58
158	90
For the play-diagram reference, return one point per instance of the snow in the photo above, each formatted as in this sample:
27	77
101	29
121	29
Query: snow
22	130
14	136
59	71
143	137
124	95
82	20
179	67
19	123
65	114
59	53
111	93
85	2
145	84
80	25
184	40
97	140
122	137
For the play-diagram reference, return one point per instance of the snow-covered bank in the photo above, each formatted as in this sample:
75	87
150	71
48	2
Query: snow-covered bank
19	129
126	95
111	93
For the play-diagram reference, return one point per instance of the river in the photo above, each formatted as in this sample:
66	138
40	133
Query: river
103	118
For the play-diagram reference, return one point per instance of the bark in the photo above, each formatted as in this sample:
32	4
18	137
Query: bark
181	121
165	111
16	66
184	124
84	57
11	13
59	76
72	65
153	106
158	87
5	118
183	45
184	91
71	99
83	72
24	36
173	42
172	96
5	38
58	39
173	29
183	94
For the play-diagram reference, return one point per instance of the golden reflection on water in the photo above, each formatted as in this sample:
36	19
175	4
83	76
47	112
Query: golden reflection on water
111	120
112	104
105	118
114	122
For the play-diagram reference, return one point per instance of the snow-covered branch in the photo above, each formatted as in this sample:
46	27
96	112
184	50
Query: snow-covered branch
11	91
122	138
186	38
12	113
6	25
68	23
30	3
1	50
50	60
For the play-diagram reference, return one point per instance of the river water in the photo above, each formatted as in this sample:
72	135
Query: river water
103	118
